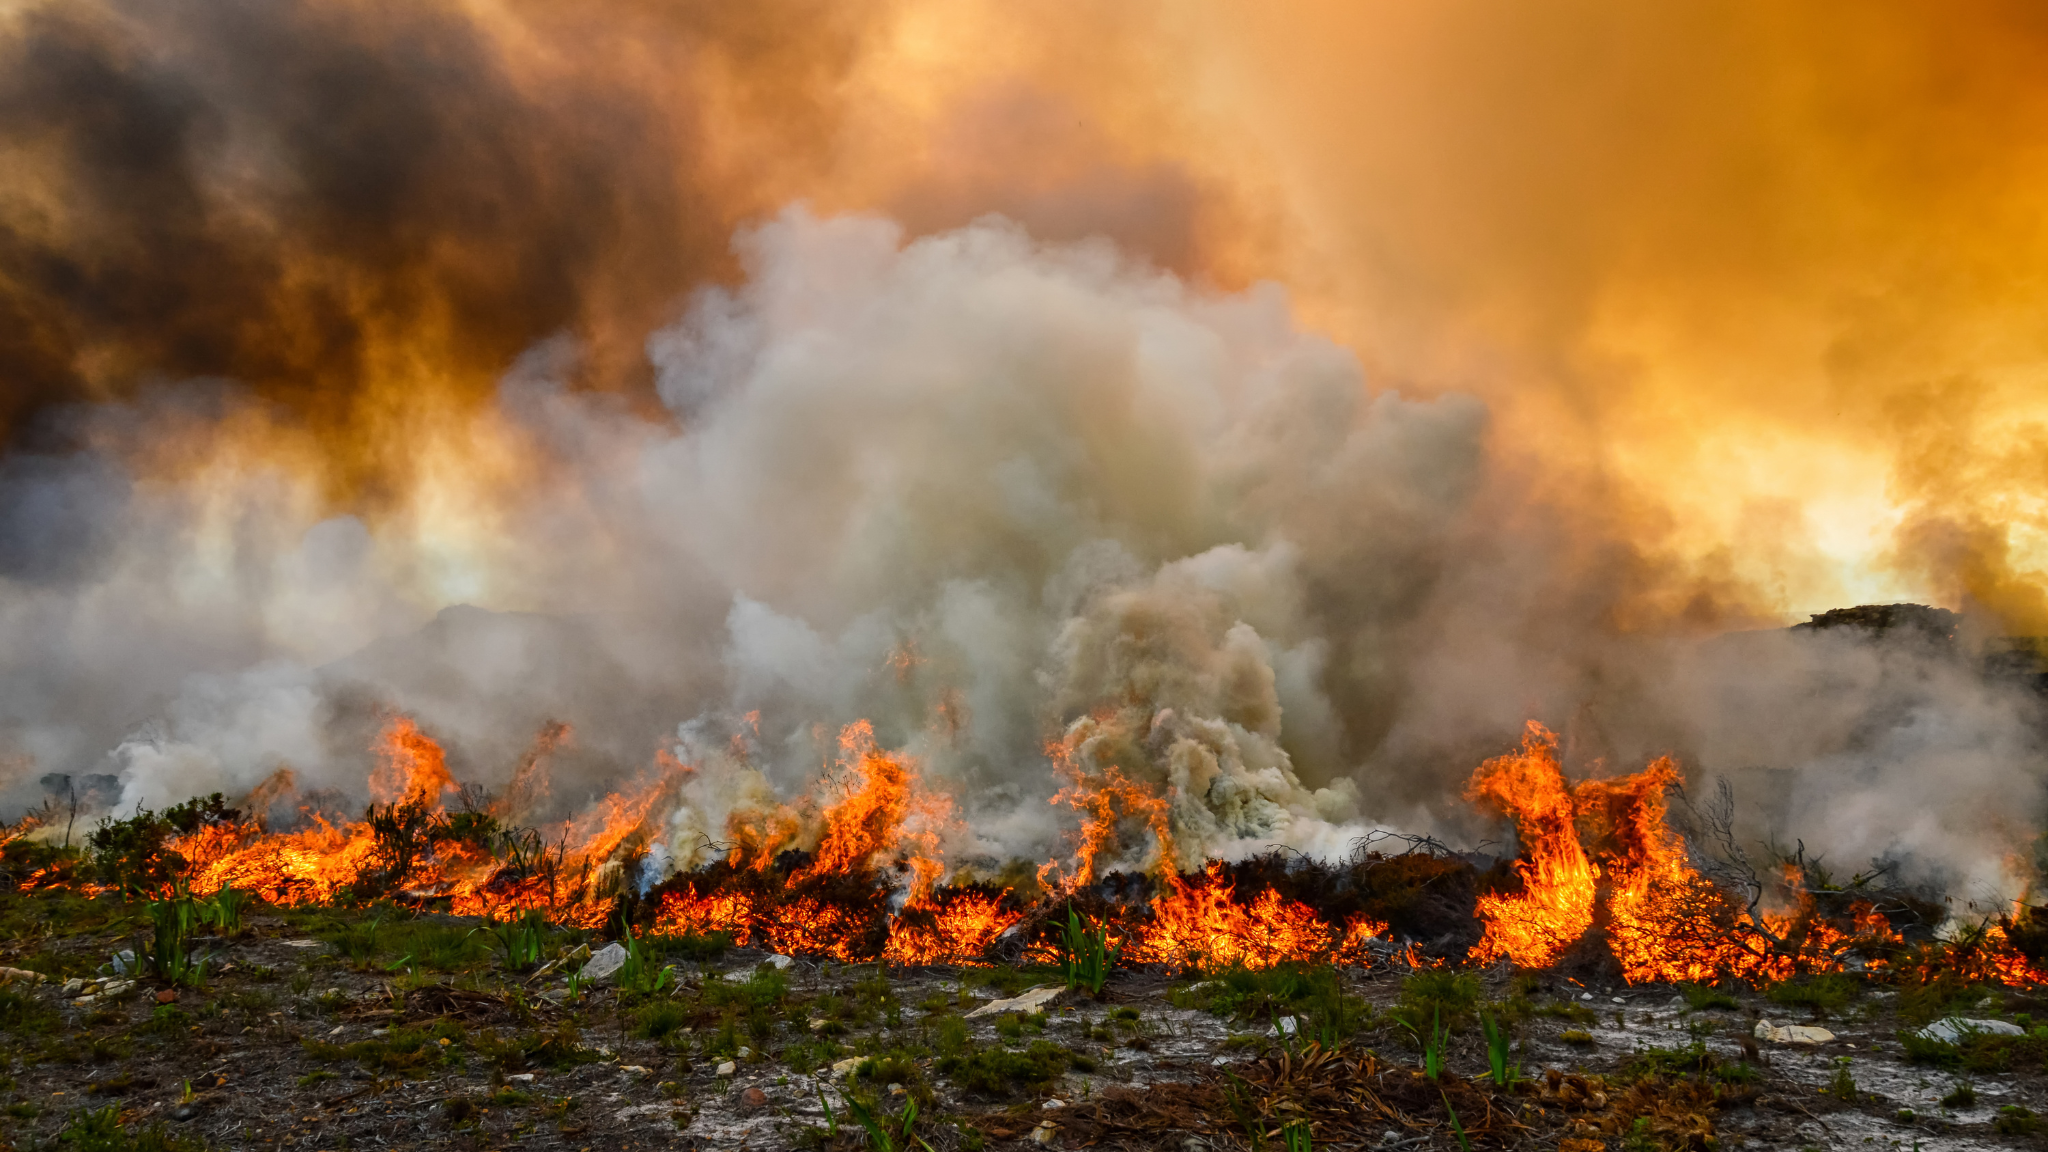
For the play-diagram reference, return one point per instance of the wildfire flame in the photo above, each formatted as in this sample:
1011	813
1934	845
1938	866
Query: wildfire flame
859	873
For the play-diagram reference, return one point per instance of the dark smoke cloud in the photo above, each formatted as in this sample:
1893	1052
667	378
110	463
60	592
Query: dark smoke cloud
330	201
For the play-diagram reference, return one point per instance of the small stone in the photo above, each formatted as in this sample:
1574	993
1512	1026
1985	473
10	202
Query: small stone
379	1031
897	1090
1055	1102
1619	1000
10	975
1285	1025
330	994
185	1112
727	1068
115	989
1956	1029
301	943
1792	1034
844	1068
605	962
744	1054
167	996
754	1098
781	962
337	1029
1586	996
72	987
632	1068
521	1078
124	962
1045	1133
1032	1001
818	1022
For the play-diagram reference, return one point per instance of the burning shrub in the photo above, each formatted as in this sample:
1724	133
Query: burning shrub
135	854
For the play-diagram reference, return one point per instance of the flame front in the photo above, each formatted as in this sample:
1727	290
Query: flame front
857	872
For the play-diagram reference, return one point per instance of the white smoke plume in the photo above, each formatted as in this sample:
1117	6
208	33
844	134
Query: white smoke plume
991	495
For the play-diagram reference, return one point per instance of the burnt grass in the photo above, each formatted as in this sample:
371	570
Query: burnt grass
383	1027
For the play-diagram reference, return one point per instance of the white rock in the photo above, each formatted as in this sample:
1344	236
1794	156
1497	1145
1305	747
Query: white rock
1285	1026
72	987
634	1068
739	977
10	975
1045	1133
1055	1102
727	1068
844	1068
1586	996
605	962
1030	1001
301	943
521	1078
781	962
1619	1000
1792	1033
337	1029
1956	1029
115	989
745	1054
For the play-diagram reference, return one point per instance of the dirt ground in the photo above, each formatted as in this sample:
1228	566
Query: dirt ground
322	1030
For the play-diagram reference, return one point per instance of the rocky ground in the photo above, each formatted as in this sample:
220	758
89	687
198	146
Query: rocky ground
328	1030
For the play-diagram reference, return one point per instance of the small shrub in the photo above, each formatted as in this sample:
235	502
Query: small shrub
1437	994
659	1019
1576	1036
1842	1086
1703	997
2013	1120
25	1014
399	1050
764	989
1963	1095
101	1131
1567	1010
999	1072
1820	995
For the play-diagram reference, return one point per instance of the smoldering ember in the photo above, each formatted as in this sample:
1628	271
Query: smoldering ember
942	575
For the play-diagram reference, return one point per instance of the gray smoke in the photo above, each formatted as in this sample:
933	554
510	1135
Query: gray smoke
991	495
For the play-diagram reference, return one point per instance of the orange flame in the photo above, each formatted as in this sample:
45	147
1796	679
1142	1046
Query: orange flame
1555	907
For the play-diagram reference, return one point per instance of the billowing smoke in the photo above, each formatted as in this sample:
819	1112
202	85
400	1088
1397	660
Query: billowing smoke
360	358
998	497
